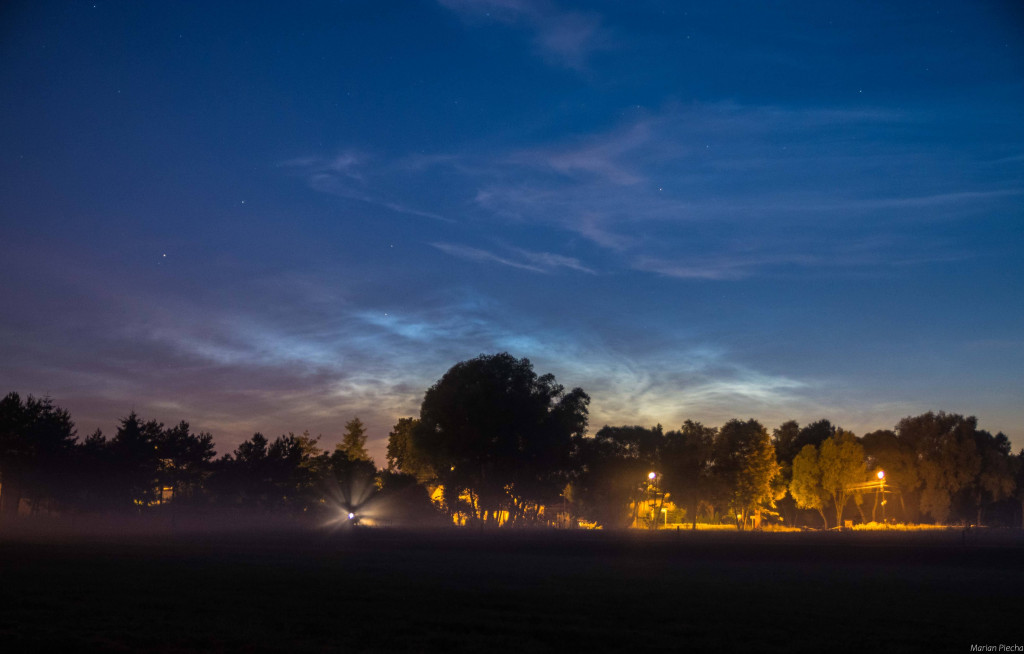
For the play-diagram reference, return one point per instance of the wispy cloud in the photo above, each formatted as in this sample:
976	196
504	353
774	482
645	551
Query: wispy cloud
715	191
602	158
551	261
567	38
476	254
348	175
538	262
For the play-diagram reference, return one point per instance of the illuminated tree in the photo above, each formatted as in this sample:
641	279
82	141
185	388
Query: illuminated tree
745	463
493	429
806	488
841	461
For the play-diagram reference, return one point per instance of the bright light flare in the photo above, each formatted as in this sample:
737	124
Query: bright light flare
881	474
652	475
352	503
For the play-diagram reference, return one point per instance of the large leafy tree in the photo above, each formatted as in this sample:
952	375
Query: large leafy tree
494	429
746	466
805	486
402	456
946	456
995	479
687	465
841	460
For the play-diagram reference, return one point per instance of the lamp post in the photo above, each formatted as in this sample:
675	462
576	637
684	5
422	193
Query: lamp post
652	478
881	489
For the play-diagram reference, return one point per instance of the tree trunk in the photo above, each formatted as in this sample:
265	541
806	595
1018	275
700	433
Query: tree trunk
657	512
696	504
824	519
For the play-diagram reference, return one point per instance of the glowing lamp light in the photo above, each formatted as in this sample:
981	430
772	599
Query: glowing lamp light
351	516
652	475
881	474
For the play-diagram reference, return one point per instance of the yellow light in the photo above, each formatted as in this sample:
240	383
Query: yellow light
881	474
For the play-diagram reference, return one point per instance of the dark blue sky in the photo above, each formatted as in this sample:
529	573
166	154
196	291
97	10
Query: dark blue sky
276	216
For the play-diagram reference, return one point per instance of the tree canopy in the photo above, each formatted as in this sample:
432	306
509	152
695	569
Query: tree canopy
494	430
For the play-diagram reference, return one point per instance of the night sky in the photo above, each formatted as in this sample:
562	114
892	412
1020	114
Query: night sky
278	216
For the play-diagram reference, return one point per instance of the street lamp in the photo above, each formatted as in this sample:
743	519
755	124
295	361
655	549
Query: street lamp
652	495
881	489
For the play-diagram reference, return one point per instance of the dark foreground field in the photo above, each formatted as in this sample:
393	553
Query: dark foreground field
382	590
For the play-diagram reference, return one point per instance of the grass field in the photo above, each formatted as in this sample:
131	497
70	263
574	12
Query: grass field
392	590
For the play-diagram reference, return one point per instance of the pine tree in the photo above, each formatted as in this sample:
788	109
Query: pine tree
353	443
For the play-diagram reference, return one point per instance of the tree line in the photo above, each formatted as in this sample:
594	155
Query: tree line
497	444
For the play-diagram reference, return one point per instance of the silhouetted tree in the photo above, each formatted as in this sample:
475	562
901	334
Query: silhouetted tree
687	463
785	438
815	434
612	473
296	468
745	463
490	427
1017	464
283	475
995	478
36	440
402	455
184	460
885	451
353	441
946	457
135	461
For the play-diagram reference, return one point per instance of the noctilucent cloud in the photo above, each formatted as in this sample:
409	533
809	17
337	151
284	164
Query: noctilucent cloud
278	216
